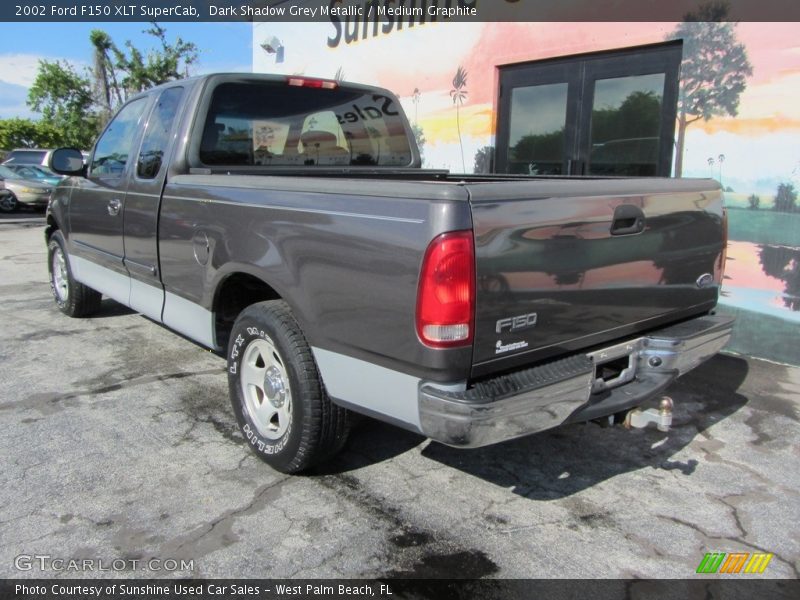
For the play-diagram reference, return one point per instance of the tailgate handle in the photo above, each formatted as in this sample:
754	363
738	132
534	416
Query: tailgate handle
628	219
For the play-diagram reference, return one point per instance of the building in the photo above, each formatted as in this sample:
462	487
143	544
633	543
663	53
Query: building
598	98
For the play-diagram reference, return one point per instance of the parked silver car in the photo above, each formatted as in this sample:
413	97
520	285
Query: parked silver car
22	191
35	172
28	156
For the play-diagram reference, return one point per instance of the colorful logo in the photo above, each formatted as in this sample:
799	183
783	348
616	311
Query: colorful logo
734	562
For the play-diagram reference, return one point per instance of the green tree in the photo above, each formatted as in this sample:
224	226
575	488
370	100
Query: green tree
638	116
138	72
65	100
25	133
753	202
75	106
119	73
459	95
783	262
538	153
714	70
786	198
104	74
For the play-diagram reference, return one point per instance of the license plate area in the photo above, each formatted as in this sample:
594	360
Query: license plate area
613	367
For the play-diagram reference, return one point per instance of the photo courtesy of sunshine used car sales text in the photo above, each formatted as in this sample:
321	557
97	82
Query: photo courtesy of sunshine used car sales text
205	590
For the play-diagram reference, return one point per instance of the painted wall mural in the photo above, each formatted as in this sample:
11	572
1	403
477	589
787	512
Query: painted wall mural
740	126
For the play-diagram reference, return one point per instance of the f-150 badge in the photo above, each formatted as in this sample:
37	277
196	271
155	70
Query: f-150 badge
517	323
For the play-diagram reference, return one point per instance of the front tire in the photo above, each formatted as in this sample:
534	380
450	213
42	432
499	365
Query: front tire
8	203
277	393
72	297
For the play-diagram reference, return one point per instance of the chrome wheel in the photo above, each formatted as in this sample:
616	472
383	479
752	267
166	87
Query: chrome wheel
266	389
60	275
276	392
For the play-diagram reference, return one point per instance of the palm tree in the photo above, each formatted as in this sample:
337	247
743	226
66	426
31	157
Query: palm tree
459	94
415	99
104	75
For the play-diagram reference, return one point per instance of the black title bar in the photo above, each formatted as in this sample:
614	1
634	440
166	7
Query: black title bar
429	10
733	587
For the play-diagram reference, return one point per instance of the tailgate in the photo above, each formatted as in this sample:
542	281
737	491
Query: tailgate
563	265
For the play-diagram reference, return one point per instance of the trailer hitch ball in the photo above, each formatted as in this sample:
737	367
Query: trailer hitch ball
661	417
665	413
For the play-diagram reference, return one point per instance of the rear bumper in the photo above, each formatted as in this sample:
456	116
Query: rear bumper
567	390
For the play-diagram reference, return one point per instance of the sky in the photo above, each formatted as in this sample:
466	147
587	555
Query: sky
222	46
760	144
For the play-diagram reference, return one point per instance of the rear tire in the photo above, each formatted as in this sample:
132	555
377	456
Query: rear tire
72	297
277	393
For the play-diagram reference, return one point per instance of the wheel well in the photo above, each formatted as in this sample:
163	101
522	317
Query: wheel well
50	227
235	293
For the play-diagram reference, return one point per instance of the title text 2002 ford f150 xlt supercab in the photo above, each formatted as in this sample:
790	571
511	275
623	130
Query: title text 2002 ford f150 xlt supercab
287	222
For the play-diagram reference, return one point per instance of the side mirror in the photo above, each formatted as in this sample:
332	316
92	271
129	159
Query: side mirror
67	161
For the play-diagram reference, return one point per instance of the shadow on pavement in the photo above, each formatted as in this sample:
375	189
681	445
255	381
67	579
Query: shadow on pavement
111	308
370	442
560	462
563	461
23	215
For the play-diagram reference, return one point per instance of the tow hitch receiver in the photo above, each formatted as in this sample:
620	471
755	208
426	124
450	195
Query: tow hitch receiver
661	416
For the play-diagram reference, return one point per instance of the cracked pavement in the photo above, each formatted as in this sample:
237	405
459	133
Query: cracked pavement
119	442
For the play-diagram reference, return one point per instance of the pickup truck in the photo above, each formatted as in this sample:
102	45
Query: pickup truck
287	222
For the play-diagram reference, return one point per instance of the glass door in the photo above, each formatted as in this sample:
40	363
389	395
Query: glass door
600	114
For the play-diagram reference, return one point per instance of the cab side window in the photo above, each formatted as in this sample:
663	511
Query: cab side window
116	143
157	136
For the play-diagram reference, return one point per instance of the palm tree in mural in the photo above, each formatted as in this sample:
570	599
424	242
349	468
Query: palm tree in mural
459	94
415	99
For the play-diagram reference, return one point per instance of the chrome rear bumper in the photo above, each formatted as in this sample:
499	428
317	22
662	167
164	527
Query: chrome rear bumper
568	390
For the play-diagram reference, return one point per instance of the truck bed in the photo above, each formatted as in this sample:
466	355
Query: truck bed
544	246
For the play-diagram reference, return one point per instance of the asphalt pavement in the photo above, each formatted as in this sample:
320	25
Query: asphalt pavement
119	444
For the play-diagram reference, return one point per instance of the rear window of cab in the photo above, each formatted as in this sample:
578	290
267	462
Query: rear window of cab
267	123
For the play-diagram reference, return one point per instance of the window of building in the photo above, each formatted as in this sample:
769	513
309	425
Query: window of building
600	114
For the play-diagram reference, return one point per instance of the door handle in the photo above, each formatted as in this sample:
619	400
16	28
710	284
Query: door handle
628	219
114	206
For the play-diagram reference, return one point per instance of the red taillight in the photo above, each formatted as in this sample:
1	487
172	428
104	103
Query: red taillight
446	297
311	82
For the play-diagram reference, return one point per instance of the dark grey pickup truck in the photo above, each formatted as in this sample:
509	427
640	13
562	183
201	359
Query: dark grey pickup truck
286	221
